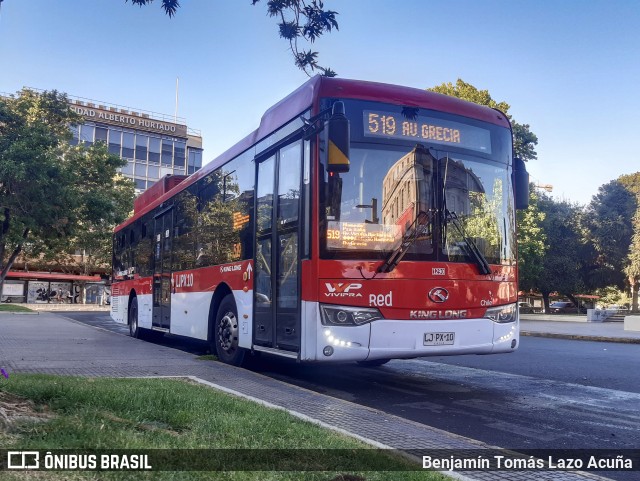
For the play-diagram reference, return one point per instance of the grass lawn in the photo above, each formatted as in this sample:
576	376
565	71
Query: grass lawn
53	412
11	308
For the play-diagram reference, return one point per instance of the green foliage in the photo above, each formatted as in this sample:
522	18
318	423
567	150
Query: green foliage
632	269
562	267
524	141
611	295
300	21
306	21
137	414
532	246
54	196
608	228
169	6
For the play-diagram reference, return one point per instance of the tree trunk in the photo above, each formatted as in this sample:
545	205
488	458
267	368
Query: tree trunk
545	300
12	259
635	286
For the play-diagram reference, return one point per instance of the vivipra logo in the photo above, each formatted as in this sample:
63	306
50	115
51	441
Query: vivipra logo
342	289
438	294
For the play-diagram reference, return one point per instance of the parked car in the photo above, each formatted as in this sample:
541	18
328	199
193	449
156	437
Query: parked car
563	307
525	308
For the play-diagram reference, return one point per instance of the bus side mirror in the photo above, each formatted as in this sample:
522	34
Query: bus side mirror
337	140
520	184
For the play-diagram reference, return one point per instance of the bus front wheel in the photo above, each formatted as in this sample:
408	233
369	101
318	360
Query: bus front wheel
226	333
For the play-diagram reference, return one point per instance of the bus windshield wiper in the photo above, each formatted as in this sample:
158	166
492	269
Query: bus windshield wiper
470	246
416	229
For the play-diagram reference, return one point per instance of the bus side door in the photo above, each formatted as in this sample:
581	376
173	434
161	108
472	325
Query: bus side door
277	256
162	270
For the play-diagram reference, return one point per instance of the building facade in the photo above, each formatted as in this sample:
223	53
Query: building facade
154	145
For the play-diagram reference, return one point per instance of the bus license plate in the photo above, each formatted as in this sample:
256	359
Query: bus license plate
439	338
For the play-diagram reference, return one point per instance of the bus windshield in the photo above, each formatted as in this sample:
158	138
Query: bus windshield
431	202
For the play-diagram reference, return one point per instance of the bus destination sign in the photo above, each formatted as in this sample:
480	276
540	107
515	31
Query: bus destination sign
437	131
360	236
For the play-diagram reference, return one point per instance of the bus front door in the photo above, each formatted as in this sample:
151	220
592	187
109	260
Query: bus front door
277	261
162	271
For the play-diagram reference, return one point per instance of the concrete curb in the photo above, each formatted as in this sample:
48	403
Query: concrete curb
34	313
577	337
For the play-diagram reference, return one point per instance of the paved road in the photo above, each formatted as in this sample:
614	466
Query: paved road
551	393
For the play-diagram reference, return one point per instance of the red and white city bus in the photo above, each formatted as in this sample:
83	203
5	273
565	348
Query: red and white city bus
360	222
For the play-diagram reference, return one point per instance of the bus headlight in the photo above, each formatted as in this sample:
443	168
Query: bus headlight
502	314
348	316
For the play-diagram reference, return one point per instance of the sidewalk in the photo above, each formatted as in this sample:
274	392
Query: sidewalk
52	344
61	306
575	327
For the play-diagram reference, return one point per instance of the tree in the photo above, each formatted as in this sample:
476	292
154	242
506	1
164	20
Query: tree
531	238
53	196
532	246
300	21
524	141
561	270
632	269
608	228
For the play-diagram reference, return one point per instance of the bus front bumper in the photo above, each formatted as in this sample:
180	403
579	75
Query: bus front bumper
403	339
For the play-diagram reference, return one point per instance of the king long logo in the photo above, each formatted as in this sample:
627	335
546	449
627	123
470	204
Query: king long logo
343	289
438	294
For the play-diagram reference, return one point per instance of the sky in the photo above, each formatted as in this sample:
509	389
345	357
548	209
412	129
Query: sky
570	69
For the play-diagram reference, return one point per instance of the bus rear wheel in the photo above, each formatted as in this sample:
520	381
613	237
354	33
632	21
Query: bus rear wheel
373	362
134	328
226	333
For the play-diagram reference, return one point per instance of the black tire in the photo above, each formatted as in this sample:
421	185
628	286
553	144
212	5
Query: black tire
134	328
373	362
226	333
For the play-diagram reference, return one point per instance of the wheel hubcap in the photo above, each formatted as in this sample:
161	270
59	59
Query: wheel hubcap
134	321
228	332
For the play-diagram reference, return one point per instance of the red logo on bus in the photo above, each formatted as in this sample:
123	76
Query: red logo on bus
342	289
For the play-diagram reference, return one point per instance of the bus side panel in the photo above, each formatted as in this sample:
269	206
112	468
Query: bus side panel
244	304
119	305
145	303
190	314
308	330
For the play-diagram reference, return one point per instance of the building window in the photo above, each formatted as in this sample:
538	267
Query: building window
127	145
167	152
86	134
141	184
179	154
154	150
141	147
194	160
115	140
127	169
153	172
75	132
101	134
141	170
